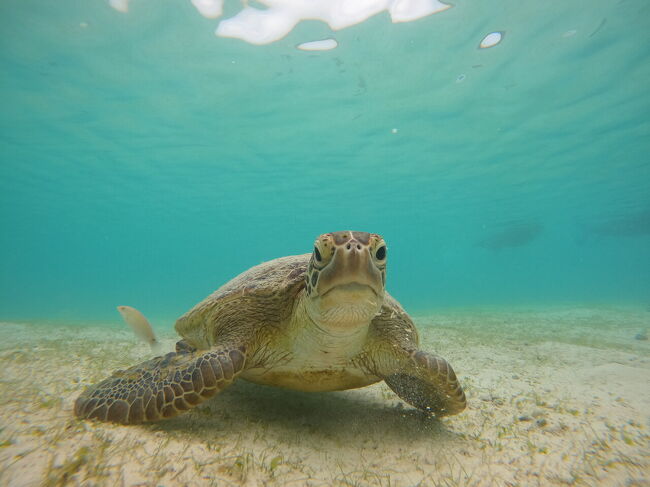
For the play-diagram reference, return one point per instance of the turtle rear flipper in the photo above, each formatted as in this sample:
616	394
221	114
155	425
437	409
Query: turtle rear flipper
162	387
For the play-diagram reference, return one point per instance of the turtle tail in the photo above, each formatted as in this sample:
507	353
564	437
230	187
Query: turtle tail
162	387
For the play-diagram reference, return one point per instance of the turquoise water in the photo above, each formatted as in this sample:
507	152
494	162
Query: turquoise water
144	161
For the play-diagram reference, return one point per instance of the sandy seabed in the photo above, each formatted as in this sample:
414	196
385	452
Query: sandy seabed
556	397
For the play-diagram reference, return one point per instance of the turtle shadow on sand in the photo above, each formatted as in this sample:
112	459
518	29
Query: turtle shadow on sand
348	416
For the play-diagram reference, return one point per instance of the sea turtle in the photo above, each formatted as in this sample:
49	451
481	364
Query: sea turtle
312	322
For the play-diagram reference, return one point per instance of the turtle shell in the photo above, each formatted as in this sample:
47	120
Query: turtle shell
263	296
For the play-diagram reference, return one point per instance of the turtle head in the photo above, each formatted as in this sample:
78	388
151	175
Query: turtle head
345	280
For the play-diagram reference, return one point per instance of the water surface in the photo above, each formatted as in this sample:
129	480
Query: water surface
145	161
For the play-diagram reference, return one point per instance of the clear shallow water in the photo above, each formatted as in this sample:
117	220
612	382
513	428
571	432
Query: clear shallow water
145	162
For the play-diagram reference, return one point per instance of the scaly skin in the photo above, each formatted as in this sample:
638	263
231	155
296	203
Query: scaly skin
162	387
312	322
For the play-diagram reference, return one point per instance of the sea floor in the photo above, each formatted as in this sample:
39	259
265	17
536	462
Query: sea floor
556	397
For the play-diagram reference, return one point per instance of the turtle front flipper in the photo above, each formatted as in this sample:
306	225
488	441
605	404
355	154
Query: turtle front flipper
162	387
427	382
422	379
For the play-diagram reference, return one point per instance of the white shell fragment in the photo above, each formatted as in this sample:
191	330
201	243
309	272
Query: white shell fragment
324	45
491	40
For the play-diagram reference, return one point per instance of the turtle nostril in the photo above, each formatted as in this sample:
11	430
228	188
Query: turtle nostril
353	246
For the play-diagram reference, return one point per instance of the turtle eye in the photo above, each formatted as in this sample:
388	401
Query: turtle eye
381	253
317	254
